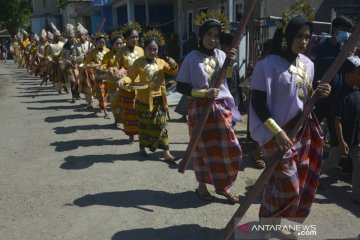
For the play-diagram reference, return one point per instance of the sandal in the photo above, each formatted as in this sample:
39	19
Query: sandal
231	196
171	160
257	160
206	196
106	116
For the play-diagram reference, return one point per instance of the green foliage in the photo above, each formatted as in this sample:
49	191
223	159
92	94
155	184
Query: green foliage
63	2
15	14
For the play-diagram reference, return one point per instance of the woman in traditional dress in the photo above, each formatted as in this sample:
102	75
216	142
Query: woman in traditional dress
217	157
126	57
151	102
109	63
281	84
92	61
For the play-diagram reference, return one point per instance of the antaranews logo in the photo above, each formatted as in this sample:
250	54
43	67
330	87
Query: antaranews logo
254	230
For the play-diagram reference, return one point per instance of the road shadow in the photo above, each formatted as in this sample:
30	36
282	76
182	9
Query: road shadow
82	162
52	101
34	95
249	187
74	144
177	120
39	91
339	195
62	107
179	232
73	129
70	117
40	88
144	197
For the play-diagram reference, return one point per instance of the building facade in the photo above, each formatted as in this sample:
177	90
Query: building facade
74	11
44	11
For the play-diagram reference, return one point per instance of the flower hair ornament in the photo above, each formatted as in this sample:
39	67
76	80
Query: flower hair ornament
100	35
117	33
153	33
131	24
298	8
215	15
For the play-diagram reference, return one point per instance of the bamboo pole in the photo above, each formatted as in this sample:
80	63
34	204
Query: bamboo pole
101	25
273	161
195	137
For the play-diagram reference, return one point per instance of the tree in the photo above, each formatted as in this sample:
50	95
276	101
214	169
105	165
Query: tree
15	14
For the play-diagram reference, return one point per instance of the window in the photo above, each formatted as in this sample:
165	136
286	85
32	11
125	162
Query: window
239	9
190	23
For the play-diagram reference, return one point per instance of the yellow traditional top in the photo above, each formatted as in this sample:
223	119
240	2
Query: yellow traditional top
153	75
33	49
95	55
24	43
126	58
109	60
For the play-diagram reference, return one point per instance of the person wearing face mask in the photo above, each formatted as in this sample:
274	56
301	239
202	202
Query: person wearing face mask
281	84
324	54
217	157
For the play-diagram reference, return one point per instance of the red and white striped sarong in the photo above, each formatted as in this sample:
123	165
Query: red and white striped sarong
292	187
217	157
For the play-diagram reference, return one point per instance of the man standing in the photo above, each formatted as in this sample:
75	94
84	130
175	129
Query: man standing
325	54
79	51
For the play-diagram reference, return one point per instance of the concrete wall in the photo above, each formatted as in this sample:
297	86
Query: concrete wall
39	8
74	11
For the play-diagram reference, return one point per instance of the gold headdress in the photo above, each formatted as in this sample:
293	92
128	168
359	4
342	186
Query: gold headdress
100	34
116	33
153	33
131	24
299	8
213	14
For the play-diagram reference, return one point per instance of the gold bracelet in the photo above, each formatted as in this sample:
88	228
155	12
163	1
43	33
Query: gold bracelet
200	93
229	70
272	126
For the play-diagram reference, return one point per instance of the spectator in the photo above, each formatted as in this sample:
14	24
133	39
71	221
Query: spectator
347	124
325	53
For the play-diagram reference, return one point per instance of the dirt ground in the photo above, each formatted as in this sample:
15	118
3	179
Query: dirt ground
67	174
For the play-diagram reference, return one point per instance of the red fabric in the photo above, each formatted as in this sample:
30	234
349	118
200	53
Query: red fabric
217	157
292	187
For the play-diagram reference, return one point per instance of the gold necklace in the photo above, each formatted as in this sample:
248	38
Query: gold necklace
209	67
303	80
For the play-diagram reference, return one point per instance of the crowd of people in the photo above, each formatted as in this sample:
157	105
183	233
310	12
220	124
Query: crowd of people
133	78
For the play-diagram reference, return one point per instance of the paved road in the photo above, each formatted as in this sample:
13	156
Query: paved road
67	174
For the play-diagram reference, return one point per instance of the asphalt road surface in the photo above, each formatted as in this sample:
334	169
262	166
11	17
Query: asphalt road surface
67	174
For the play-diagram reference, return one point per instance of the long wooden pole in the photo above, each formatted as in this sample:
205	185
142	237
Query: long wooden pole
101	25
195	137
273	161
